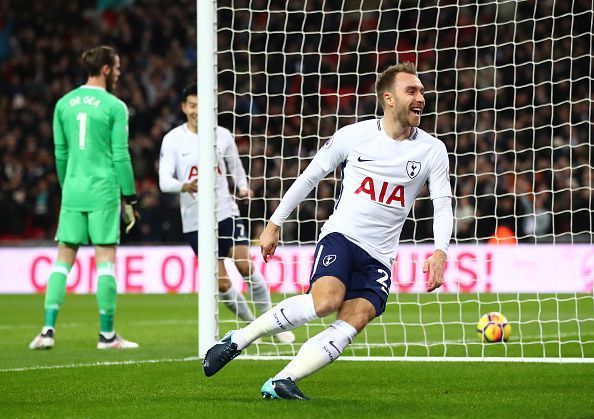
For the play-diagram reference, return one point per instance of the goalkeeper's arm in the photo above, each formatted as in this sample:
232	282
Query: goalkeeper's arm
123	165
61	146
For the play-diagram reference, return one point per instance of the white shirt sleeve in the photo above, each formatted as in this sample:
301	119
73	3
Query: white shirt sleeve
232	160
167	163
443	222
333	153
304	184
439	176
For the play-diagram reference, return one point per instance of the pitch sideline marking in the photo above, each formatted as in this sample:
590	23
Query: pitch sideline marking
131	324
273	357
100	364
288	355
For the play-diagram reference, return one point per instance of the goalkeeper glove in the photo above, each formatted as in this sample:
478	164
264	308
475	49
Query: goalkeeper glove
131	213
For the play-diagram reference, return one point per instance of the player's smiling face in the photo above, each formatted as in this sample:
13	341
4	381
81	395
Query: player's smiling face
408	99
190	109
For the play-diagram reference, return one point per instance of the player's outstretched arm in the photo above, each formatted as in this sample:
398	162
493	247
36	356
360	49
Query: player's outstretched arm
304	184
269	240
325	162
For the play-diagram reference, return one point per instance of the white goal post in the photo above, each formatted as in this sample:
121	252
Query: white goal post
508	90
207	117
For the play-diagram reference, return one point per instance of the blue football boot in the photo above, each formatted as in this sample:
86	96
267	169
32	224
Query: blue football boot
282	389
221	353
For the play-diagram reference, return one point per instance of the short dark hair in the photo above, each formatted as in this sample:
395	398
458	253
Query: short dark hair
191	90
95	58
385	81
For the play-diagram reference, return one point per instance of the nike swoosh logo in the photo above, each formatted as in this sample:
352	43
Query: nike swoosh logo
282	311
334	346
362	160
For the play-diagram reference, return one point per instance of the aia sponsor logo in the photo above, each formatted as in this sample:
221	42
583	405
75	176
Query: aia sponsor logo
193	172
382	192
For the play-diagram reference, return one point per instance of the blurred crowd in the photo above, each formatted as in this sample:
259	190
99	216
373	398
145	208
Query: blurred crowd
509	91
44	42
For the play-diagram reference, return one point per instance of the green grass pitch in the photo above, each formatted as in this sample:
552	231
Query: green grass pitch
163	377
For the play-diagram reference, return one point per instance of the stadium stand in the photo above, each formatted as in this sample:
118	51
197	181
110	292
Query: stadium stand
276	117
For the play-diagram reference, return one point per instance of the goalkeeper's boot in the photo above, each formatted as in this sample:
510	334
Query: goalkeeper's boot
116	342
285	337
282	389
221	353
44	340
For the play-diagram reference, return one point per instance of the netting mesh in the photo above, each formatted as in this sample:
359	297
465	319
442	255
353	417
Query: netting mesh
508	90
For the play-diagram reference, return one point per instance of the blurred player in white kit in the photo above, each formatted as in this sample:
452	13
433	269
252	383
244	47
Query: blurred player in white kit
178	173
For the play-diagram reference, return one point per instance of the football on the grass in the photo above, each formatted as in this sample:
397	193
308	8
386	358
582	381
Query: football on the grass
494	327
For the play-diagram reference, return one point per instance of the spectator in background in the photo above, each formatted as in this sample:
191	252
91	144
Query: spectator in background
499	90
6	25
537	220
41	65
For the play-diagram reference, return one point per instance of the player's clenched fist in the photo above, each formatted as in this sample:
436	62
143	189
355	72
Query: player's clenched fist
269	240
245	193
190	187
435	265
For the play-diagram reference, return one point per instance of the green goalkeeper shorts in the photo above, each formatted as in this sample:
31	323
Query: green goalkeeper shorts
100	227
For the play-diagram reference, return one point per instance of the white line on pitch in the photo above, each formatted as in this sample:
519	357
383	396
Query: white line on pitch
288	355
131	324
528	339
100	364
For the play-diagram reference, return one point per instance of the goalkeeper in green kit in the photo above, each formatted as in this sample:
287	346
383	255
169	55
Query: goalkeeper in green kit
94	170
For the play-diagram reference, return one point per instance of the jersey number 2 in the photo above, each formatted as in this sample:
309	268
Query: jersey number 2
82	129
383	281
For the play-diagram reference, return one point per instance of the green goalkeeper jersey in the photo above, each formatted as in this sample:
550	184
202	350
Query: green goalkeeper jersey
91	149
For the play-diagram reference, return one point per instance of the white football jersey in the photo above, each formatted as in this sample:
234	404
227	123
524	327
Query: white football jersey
381	179
178	164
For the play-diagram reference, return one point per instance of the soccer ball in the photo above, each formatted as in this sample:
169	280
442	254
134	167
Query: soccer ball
493	327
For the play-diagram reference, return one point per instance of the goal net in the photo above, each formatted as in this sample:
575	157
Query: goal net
508	90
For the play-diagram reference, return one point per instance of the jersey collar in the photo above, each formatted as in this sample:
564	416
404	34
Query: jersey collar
380	126
86	86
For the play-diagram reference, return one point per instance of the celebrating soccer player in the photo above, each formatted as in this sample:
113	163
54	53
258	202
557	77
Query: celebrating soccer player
385	164
178	173
94	171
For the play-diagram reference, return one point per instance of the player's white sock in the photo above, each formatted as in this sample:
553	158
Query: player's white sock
319	351
235	301
259	291
287	315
